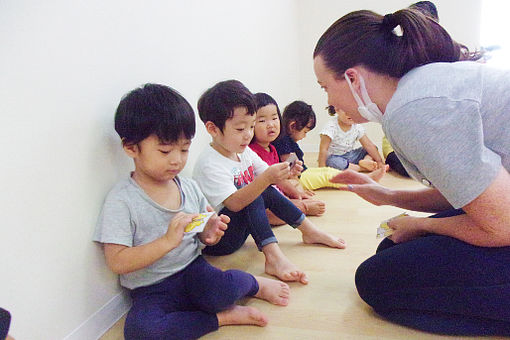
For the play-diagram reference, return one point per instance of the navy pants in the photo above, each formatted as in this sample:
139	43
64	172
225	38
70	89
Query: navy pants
439	284
184	305
252	220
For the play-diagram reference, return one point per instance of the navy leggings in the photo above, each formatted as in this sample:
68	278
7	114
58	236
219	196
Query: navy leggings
252	220
184	305
439	284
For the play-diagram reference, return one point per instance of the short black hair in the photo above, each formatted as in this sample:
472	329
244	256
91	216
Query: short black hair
217	104
299	112
154	109
263	99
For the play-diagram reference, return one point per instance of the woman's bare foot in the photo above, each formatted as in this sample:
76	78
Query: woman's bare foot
241	315
312	235
277	264
273	291
368	164
314	207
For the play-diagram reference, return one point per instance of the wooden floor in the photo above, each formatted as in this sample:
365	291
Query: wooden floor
328	307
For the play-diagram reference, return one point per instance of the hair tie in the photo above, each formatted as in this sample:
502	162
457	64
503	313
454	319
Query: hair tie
389	22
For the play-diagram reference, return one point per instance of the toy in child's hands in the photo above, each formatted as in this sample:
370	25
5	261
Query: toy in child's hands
292	159
384	229
198	223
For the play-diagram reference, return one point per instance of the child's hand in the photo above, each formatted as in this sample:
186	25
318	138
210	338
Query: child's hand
214	229
277	172
175	231
296	169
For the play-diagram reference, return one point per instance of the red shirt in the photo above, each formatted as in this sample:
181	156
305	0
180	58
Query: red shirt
270	157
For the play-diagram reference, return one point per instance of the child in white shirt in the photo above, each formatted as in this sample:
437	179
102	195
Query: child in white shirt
339	147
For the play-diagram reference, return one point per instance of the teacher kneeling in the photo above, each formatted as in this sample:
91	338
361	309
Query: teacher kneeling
449	123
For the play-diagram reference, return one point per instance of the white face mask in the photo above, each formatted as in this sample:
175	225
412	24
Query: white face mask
367	110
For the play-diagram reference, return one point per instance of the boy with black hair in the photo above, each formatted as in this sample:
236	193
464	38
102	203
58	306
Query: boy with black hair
176	293
239	184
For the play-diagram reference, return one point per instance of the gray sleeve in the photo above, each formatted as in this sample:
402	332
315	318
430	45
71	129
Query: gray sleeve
114	224
443	140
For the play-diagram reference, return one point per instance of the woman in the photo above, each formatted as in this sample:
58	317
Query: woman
447	123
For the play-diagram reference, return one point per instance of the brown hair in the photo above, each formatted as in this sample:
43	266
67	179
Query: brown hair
367	38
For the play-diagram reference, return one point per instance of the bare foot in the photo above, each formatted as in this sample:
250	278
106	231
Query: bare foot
379	173
314	207
277	264
312	235
241	315
368	164
273	291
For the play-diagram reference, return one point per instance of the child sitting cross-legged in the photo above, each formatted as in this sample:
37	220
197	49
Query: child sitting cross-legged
338	147
239	184
176	293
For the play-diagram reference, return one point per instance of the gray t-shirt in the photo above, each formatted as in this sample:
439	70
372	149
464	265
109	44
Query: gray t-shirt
448	124
131	218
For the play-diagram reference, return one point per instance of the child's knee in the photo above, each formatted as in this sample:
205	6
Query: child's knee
224	292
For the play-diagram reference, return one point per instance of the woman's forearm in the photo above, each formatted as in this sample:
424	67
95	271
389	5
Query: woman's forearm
425	200
462	227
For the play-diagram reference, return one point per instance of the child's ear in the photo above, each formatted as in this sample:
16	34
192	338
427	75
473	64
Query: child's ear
130	149
211	128
292	126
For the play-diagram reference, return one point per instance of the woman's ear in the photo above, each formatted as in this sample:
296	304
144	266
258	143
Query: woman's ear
353	76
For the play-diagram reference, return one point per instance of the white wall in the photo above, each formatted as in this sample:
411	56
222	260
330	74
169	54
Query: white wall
461	20
63	67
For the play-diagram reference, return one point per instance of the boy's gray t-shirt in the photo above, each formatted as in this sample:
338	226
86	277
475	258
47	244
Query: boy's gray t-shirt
448	124
131	218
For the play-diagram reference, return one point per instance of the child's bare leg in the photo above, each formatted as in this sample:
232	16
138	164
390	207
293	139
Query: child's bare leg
354	167
277	264
273	219
314	207
241	315
368	164
273	291
313	235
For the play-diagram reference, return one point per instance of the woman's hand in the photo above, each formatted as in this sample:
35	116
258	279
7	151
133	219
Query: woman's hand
406	228
363	186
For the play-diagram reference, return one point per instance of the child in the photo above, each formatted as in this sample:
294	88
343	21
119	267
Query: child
298	119
239	184
267	129
338	145
391	158
176	293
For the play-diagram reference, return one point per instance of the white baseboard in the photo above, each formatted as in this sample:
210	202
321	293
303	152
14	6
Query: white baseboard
102	320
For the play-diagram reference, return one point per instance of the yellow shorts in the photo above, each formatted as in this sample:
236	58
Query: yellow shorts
316	178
